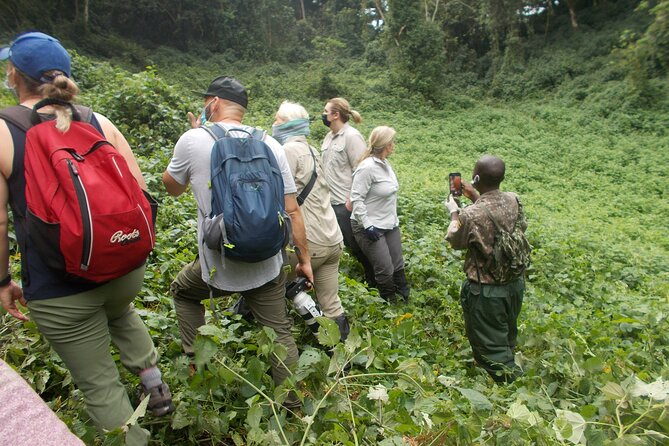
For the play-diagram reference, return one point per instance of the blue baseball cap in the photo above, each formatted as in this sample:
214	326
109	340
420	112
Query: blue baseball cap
35	53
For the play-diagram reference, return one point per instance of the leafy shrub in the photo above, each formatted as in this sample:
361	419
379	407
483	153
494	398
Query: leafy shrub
593	340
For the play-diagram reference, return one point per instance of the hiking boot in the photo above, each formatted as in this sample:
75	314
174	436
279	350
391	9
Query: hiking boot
401	285
160	402
292	402
344	328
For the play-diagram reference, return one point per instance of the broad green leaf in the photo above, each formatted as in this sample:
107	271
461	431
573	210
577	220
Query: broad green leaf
226	375
211	330
115	438
589	410
254	416
411	367
266	341
594	364
476	398
613	391
212	422
181	417
280	351
337	361
353	342
569	426
520	412
373	359
426	404
393	441
307	358
328	332
627	440
205	349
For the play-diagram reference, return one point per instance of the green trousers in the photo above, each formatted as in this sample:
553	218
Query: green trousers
80	328
267	304
491	315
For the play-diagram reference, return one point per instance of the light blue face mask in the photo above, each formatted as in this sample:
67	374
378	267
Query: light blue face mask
296	127
203	116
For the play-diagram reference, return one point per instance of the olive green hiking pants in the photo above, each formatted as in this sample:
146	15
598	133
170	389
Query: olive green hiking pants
80	328
491	315
267	304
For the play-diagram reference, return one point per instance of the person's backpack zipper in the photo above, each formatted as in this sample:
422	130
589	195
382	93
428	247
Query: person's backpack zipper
84	207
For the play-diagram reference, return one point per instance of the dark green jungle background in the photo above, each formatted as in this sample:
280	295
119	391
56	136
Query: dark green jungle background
572	94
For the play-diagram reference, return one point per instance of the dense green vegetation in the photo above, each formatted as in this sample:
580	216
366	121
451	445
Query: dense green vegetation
581	118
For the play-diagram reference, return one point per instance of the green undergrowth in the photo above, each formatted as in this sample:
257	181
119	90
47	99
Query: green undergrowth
593	325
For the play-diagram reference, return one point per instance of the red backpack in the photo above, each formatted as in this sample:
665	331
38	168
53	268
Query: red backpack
86	214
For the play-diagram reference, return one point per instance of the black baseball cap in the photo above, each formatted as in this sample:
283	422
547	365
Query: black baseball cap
227	87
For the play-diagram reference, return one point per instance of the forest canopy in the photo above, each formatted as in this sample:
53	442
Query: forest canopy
427	44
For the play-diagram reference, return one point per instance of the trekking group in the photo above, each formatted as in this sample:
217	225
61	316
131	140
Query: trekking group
272	212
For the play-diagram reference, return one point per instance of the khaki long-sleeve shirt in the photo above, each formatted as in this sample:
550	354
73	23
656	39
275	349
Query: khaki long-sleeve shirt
340	154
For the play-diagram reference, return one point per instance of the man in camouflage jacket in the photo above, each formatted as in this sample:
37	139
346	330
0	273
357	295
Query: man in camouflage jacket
490	305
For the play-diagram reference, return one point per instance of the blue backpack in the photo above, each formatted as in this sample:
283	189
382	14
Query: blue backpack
248	220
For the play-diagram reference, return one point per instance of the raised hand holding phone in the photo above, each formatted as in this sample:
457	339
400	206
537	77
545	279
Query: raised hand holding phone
455	184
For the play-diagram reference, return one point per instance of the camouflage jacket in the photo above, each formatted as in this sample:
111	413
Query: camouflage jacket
476	231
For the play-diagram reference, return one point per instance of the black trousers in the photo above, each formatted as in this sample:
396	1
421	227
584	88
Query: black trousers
344	221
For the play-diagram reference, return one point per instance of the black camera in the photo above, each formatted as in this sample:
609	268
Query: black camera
294	287
303	303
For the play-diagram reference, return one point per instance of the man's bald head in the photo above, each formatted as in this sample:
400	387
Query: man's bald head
490	170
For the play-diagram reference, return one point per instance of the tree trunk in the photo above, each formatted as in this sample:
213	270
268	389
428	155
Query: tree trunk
304	15
85	18
379	10
572	13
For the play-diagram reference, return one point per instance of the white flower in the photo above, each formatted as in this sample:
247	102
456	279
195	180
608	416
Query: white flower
428	420
379	393
308	419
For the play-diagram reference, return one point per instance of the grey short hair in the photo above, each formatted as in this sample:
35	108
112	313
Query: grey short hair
289	111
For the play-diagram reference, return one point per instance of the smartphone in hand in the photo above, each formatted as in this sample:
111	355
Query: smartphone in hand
455	184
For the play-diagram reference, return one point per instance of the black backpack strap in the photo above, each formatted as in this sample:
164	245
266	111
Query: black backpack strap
17	115
20	115
35	117
310	185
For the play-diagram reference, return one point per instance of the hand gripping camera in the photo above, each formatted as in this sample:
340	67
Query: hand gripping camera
304	304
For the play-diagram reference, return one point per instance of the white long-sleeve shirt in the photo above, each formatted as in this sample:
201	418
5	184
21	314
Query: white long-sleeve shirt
374	194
